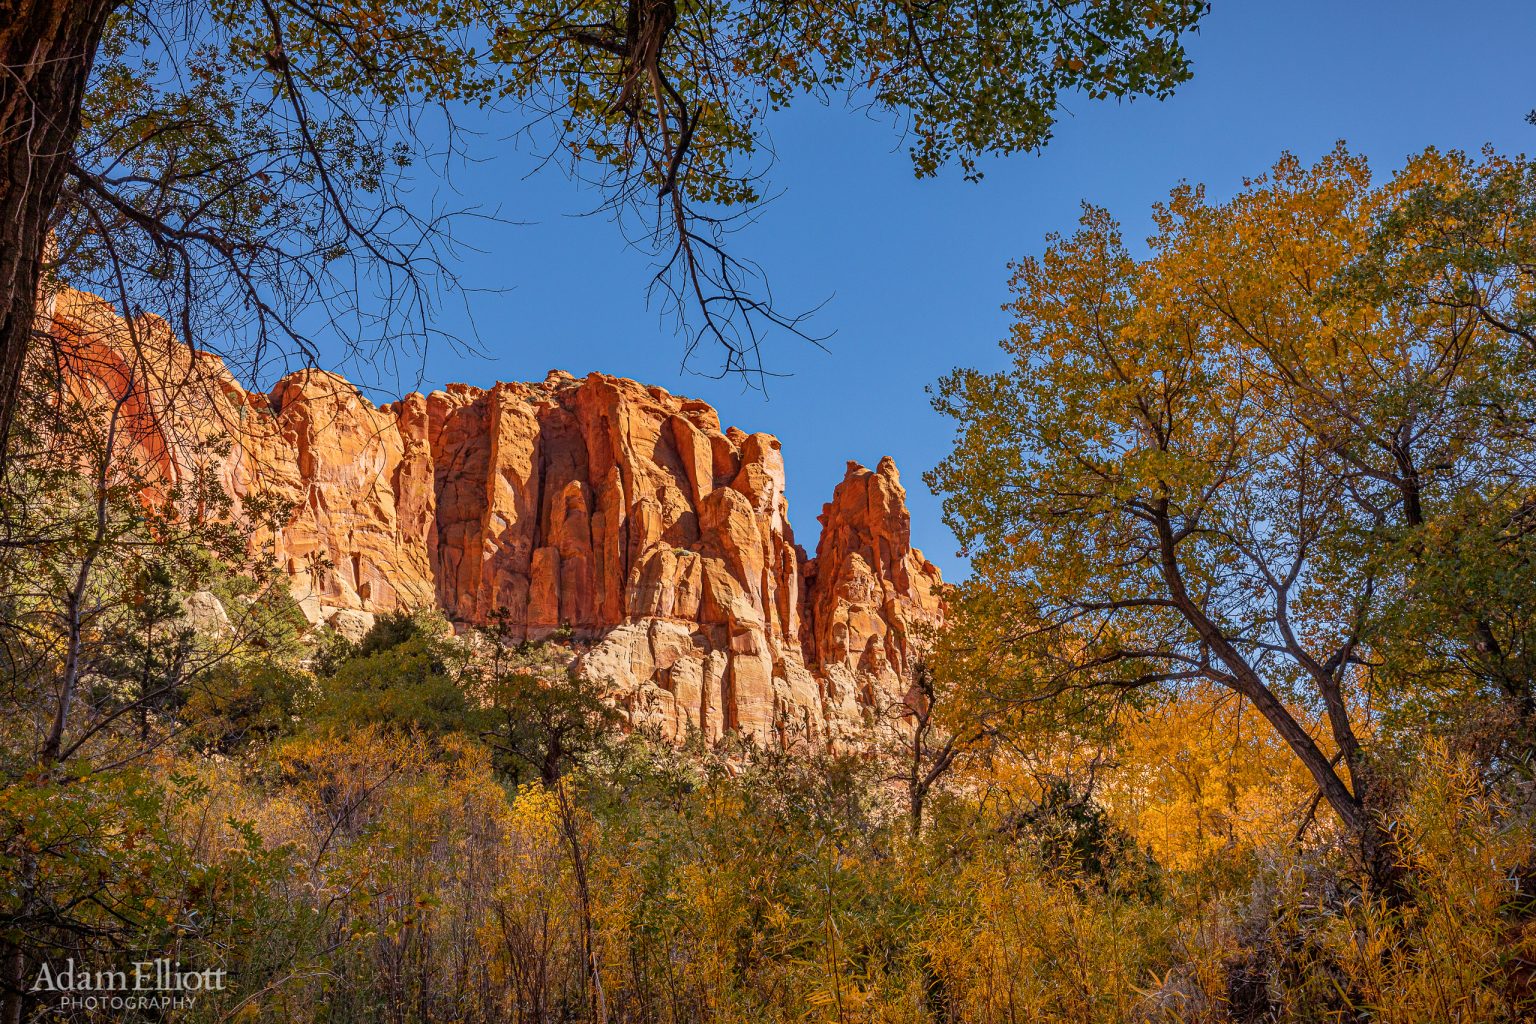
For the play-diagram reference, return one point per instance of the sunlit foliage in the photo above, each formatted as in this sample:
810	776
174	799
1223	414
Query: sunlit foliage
1134	784
1287	452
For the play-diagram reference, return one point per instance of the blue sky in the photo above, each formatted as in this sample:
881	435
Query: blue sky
916	271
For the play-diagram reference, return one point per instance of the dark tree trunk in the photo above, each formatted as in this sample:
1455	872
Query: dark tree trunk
915	798
47	48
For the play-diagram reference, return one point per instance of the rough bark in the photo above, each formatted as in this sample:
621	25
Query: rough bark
47	48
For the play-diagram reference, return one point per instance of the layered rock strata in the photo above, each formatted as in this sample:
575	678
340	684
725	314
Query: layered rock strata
599	510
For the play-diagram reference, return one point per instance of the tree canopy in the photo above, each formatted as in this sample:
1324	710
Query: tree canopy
253	171
1288	451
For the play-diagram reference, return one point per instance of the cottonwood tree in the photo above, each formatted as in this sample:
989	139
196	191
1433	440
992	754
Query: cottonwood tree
666	106
48	48
1288	452
242	168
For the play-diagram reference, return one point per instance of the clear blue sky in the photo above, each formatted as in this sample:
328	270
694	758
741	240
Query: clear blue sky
916	270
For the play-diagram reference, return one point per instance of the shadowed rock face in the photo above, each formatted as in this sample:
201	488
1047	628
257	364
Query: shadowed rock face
601	509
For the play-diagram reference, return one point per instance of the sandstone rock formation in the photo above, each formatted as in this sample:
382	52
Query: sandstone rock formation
599	510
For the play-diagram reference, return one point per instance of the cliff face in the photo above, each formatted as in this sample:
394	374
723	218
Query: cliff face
616	514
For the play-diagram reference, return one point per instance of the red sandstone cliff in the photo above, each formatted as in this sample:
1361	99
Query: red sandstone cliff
616	512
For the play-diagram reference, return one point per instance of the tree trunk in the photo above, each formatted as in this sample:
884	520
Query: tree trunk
47	48
916	791
1242	678
1375	839
916	794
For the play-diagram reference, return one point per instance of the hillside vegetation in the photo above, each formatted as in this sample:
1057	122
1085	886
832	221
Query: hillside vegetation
1233	721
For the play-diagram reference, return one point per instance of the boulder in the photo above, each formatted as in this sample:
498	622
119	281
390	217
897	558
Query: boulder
205	613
